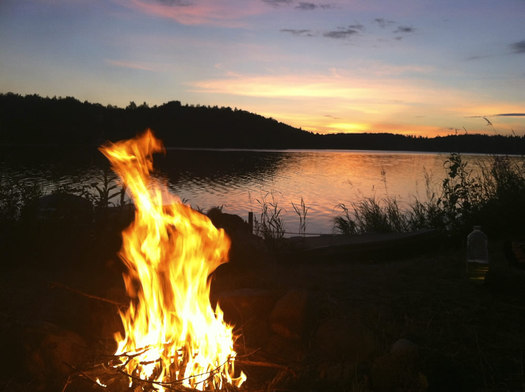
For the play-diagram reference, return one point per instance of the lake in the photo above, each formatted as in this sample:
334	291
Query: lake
241	180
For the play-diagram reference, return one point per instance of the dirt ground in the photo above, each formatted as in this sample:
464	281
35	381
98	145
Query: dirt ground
468	333
345	323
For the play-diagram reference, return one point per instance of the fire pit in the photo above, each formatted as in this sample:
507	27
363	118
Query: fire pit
172	338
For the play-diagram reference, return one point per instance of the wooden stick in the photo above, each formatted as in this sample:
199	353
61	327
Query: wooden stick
264	364
76	291
79	373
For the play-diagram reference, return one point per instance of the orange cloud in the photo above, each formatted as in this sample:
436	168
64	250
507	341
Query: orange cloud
337	86
341	101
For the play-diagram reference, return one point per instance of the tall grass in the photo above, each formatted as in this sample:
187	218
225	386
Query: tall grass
14	196
492	196
370	215
269	225
301	210
107	191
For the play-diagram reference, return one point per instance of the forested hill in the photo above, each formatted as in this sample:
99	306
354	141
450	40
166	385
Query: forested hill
32	119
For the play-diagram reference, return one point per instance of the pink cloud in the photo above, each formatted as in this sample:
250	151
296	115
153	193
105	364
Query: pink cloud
209	12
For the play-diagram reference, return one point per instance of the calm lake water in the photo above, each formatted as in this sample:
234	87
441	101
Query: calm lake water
240	180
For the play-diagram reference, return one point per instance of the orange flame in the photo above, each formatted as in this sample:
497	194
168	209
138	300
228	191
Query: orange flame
172	335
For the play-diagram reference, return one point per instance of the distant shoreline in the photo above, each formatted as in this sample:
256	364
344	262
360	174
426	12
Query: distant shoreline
408	152
32	120
94	148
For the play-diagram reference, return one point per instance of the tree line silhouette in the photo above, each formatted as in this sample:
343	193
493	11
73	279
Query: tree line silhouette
32	119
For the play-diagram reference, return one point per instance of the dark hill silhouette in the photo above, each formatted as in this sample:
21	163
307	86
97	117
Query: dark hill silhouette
32	119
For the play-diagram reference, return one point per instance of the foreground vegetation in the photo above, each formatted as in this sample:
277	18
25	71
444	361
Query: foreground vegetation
490	195
492	198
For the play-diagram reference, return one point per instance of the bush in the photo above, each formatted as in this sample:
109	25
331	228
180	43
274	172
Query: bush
494	197
14	196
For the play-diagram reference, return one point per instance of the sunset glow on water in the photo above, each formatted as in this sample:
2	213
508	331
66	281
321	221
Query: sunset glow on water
324	179
238	180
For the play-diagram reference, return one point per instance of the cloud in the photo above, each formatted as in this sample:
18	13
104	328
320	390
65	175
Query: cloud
175	3
479	57
518	47
383	23
299	32
354	95
357	26
277	3
404	30
342	33
131	65
305	86
204	12
339	86
500	115
307	6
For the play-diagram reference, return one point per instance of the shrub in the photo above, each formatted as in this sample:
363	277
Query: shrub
492	196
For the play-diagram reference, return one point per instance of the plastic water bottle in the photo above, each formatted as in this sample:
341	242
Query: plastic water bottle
477	254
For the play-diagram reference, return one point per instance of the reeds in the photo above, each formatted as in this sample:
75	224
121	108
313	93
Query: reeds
492	196
269	225
15	195
301	210
372	216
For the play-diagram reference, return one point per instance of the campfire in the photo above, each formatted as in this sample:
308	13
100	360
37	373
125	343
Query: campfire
172	338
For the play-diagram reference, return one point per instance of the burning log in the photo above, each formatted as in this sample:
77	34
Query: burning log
111	376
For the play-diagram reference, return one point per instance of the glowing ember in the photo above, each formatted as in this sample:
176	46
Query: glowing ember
172	335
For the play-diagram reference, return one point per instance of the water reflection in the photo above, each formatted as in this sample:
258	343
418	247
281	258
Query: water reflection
222	170
240	180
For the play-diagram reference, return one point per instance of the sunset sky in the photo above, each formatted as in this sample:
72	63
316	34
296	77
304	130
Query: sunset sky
406	66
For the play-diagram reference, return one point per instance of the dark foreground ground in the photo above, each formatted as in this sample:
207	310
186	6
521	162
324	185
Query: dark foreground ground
344	322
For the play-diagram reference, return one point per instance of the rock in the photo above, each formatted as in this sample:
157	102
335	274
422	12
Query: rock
288	317
229	222
399	369
338	373
405	349
284	350
248	310
61	207
246	248
445	373
49	352
345	340
244	304
56	229
114	218
109	224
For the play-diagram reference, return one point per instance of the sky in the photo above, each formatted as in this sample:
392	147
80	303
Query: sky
418	67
